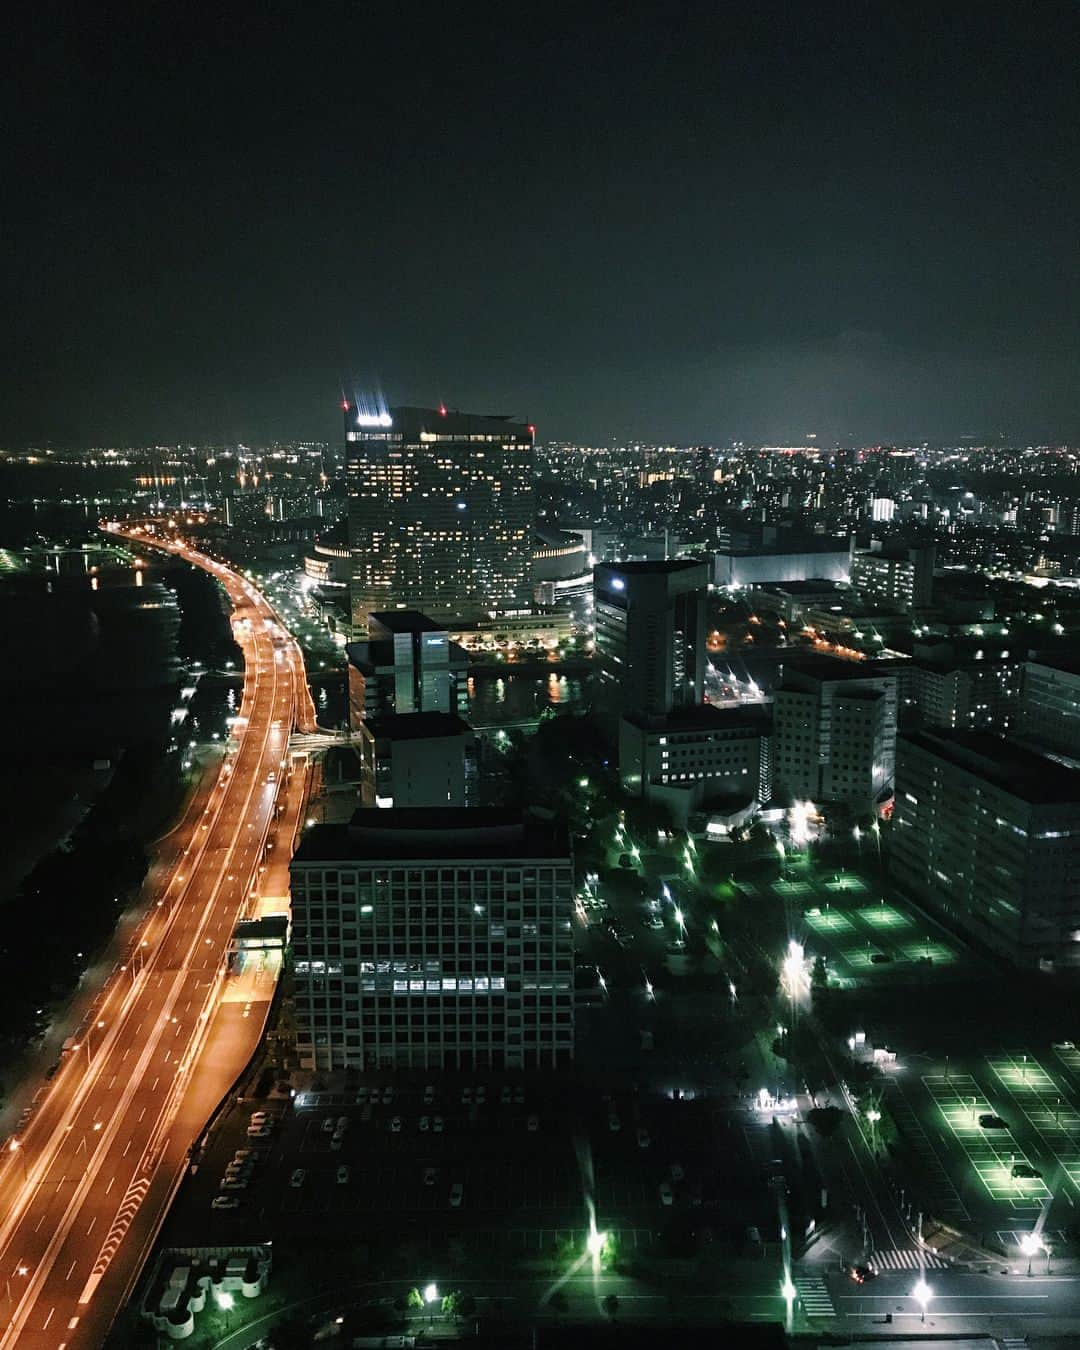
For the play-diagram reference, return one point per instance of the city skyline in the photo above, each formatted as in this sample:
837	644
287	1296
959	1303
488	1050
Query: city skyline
707	227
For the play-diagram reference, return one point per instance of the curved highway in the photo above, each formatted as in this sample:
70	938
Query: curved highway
85	1185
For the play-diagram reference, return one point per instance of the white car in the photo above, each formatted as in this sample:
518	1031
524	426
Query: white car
297	1178
337	1143
257	1117
343	1175
234	1183
328	1125
667	1197
395	1125
457	1194
258	1132
342	1124
225	1202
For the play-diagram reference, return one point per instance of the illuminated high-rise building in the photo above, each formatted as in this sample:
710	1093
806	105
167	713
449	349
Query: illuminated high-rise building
440	511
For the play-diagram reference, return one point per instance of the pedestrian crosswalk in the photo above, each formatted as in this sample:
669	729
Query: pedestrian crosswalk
909	1259
814	1296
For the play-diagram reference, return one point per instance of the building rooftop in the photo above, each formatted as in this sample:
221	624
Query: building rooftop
646	568
446	832
812	586
417	726
704	717
1024	773
378	654
405	621
820	666
411	422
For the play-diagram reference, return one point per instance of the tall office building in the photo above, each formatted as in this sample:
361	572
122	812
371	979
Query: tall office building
988	834
834	731
650	637
440	512
430	939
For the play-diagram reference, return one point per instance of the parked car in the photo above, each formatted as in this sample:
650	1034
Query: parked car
437	1124
614	1124
643	1140
457	1194
991	1122
506	1096
677	1172
429	1094
430	1174
225	1202
425	1124
297	1178
667	1196
328	1125
1026	1170
343	1175
387	1095
395	1125
532	1124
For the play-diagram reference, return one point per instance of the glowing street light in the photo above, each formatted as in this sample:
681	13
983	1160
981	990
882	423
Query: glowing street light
1030	1245
922	1294
431	1293
594	1244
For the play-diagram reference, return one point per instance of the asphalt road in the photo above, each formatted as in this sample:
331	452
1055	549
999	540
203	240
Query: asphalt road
85	1185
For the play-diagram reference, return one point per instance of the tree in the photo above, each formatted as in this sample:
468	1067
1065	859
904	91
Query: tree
414	1300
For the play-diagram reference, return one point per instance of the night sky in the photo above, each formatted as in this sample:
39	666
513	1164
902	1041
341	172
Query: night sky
687	223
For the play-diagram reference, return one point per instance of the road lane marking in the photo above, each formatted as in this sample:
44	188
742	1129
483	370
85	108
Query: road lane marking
71	1268
91	1228
109	1187
49	1318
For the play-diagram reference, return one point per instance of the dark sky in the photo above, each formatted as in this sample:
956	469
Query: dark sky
687	222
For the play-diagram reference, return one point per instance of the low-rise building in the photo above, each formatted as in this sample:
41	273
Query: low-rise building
417	759
408	663
694	754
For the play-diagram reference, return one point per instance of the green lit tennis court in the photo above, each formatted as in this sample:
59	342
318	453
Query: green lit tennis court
788	888
846	881
884	916
829	921
935	951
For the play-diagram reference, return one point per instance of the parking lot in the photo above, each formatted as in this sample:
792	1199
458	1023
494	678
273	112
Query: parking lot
520	1169
998	1136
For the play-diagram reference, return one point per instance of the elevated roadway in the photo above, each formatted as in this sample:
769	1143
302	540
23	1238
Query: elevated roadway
83	1188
